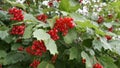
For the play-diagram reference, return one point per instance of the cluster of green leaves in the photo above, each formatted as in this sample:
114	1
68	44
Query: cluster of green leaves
86	41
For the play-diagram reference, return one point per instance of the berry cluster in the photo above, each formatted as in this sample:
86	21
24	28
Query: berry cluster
97	65
64	24
42	17
61	25
17	14
53	33
35	63
100	19
37	48
18	29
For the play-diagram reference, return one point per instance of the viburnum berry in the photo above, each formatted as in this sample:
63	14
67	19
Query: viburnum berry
37	48
50	3
83	60
100	20
18	30
29	50
108	37
110	16
64	24
53	33
110	29
80	1
16	13
42	17
54	57
20	48
97	65
35	63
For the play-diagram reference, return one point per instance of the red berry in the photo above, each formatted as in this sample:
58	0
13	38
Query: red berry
83	61
100	20
42	17
37	48
110	29
35	63
64	24
50	3
97	65
53	33
16	13
20	48
108	37
18	30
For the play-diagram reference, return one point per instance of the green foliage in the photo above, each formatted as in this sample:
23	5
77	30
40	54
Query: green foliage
51	46
41	35
87	40
45	64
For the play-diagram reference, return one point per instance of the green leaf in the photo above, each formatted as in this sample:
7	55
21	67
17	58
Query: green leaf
115	46
3	15
51	46
64	5
13	57
45	64
15	46
97	44
28	31
72	35
30	18
88	24
88	60
77	17
3	34
2	53
105	45
107	62
69	5
41	35
16	4
73	53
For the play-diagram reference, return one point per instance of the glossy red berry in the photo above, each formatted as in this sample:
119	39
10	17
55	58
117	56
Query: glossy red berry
21	48
110	29
108	37
35	63
17	30
100	20
64	24
50	3
53	33
83	61
42	17
16	13
37	48
97	65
